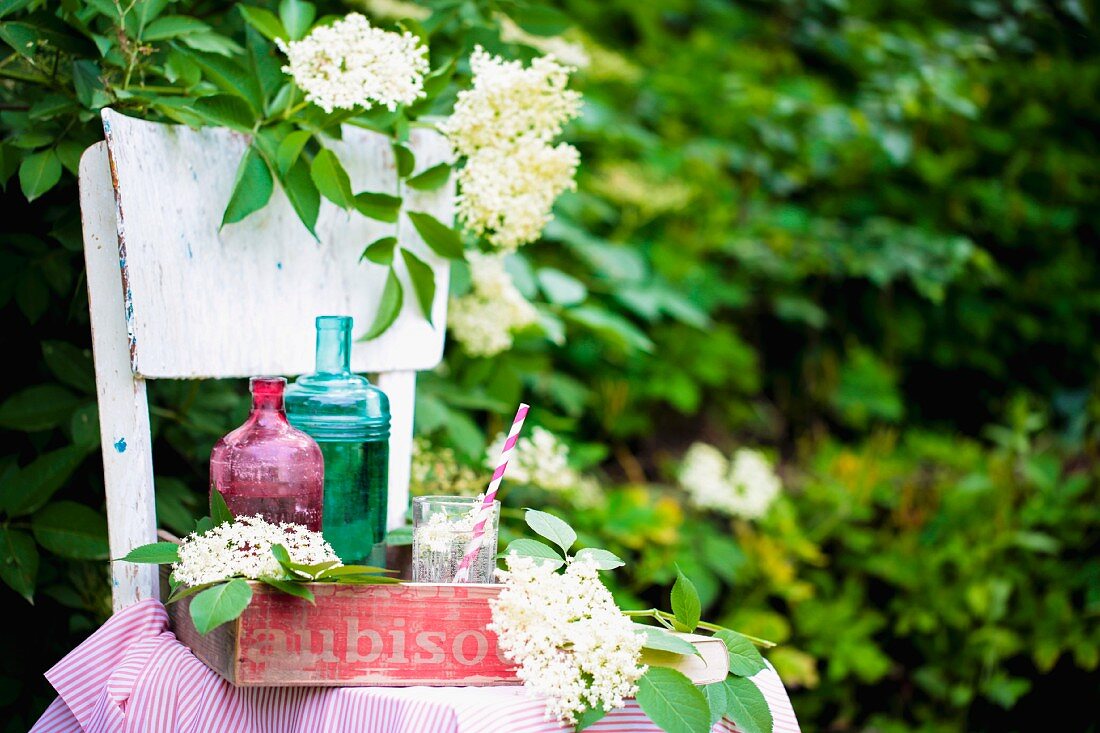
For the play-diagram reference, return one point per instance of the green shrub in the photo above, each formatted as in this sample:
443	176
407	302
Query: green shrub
794	220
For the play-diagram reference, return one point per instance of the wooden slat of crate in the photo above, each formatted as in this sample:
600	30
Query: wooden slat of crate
374	635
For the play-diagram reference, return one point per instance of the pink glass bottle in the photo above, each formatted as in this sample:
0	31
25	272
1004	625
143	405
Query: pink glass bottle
267	467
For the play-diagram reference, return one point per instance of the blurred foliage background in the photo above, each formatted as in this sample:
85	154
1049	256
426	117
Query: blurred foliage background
859	235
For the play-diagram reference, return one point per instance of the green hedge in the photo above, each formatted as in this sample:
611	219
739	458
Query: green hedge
858	233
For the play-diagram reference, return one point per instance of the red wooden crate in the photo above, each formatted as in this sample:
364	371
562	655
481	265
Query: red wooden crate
355	635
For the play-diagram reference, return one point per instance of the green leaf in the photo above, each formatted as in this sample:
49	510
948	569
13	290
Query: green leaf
88	84
220	604
179	593
423	282
534	549
297	16
34	484
404	160
84	427
252	190
443	240
219	510
173	26
282	555
331	179
71	530
388	307
611	325
550	527
18	561
661	640
745	659
211	42
430	179
290	588
264	21
746	706
204	525
399	537
379	206
290	148
38	408
228	111
561	289
38	173
589	717
685	603
230	77
716	700
157	553
71	365
380	251
342	570
303	195
603	559
672	702
541	20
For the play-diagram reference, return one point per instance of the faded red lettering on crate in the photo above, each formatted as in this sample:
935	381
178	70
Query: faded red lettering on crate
411	634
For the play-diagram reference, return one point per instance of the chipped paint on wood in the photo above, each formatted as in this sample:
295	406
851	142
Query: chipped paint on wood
392	635
201	301
211	301
123	409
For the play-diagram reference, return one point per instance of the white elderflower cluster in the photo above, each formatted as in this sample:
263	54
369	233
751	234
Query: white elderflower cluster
744	487
349	64
542	460
503	126
442	533
507	194
571	642
437	471
485	319
242	548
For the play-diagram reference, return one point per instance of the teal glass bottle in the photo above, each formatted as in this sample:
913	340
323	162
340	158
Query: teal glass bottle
350	420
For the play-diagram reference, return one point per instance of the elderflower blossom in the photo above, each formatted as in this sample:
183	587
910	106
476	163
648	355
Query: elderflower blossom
484	319
442	532
744	487
349	64
572	643
507	193
243	548
437	471
508	102
542	461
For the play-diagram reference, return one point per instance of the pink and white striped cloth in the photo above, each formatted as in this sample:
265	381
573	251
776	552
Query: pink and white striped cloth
133	675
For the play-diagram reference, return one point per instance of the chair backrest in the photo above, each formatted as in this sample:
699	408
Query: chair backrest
174	295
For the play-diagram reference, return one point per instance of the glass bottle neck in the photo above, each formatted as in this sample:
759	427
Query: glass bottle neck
334	347
267	401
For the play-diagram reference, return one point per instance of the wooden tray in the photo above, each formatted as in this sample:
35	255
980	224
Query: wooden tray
355	635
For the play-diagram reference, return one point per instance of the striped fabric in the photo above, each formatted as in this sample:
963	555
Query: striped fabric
133	675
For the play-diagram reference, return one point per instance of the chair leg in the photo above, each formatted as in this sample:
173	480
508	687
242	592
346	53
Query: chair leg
400	387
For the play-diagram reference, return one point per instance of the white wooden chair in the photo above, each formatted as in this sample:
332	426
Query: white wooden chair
173	297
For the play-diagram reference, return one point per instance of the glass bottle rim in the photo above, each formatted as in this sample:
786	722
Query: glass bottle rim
464	501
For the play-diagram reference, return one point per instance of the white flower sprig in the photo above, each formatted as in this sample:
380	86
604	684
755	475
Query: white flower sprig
350	64
485	319
571	642
542	460
503	125
242	548
745	486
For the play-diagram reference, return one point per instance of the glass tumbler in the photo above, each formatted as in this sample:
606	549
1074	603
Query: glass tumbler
442	529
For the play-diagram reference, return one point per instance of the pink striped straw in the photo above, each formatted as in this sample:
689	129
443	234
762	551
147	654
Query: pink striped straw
474	545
